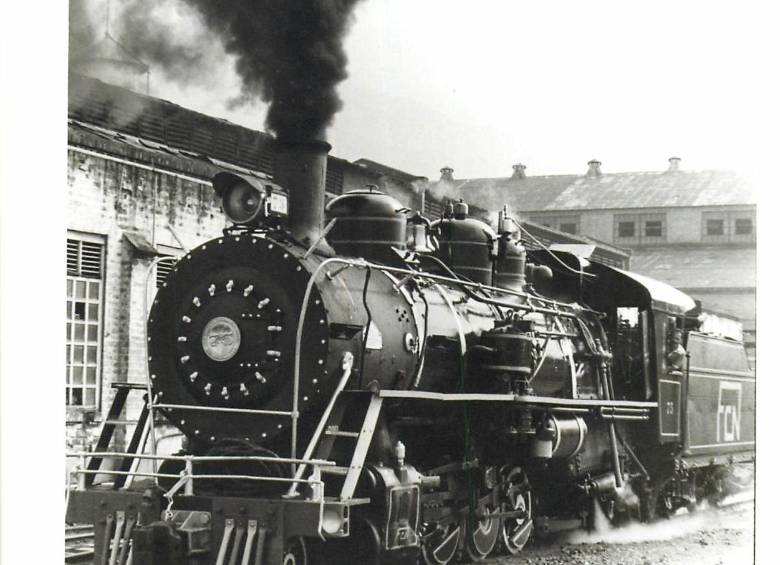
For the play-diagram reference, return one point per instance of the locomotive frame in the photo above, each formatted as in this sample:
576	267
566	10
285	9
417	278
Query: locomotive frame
521	405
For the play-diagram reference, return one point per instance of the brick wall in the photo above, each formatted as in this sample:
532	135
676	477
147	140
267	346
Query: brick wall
108	198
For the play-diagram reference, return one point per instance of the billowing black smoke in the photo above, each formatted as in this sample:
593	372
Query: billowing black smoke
288	53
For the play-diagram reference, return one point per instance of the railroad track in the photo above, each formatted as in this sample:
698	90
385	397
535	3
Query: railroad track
79	543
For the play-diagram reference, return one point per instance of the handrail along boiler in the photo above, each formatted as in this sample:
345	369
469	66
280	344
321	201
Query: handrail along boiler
385	387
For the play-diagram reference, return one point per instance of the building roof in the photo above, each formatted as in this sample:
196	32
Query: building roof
607	191
108	142
164	129
403	176
698	267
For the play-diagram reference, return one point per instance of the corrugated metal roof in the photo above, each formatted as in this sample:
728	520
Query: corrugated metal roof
159	126
608	191
387	170
118	109
712	267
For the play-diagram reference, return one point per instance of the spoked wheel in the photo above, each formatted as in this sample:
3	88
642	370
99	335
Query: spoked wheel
440	543
515	530
482	533
295	553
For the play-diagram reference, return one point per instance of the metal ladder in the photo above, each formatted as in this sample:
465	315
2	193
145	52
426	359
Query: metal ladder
351	415
109	426
353	419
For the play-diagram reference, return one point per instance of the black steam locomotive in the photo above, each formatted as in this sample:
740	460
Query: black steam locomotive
382	388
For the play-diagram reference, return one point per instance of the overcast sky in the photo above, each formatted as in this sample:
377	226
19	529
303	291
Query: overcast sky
482	85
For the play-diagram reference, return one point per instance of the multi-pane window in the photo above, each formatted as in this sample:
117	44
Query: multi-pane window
728	226
639	229
743	226
568	227
626	229
715	227
654	228
83	325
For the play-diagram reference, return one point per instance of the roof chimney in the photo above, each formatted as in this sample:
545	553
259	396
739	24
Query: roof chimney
519	171
594	168
446	174
674	164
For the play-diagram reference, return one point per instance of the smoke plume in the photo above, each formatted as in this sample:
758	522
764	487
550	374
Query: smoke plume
287	53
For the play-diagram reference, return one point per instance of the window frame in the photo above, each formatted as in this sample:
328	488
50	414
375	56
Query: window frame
661	228
715	215
79	327
573	231
709	223
749	215
626	226
743	219
619	219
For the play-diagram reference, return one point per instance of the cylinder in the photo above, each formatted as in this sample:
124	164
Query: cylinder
561	437
301	168
570	432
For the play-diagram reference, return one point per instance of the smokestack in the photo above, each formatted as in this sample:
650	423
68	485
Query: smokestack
518	171
446	174
594	168
301	168
674	164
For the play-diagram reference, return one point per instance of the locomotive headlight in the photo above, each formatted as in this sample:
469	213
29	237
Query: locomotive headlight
250	200
242	202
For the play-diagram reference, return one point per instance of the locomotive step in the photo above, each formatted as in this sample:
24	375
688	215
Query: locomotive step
335	470
335	431
132	386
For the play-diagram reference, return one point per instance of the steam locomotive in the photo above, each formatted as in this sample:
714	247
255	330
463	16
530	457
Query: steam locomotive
377	387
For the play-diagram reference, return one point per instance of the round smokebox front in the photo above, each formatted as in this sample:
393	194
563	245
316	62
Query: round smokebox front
222	334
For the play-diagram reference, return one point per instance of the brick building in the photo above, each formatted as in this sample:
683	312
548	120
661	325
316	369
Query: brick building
695	230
